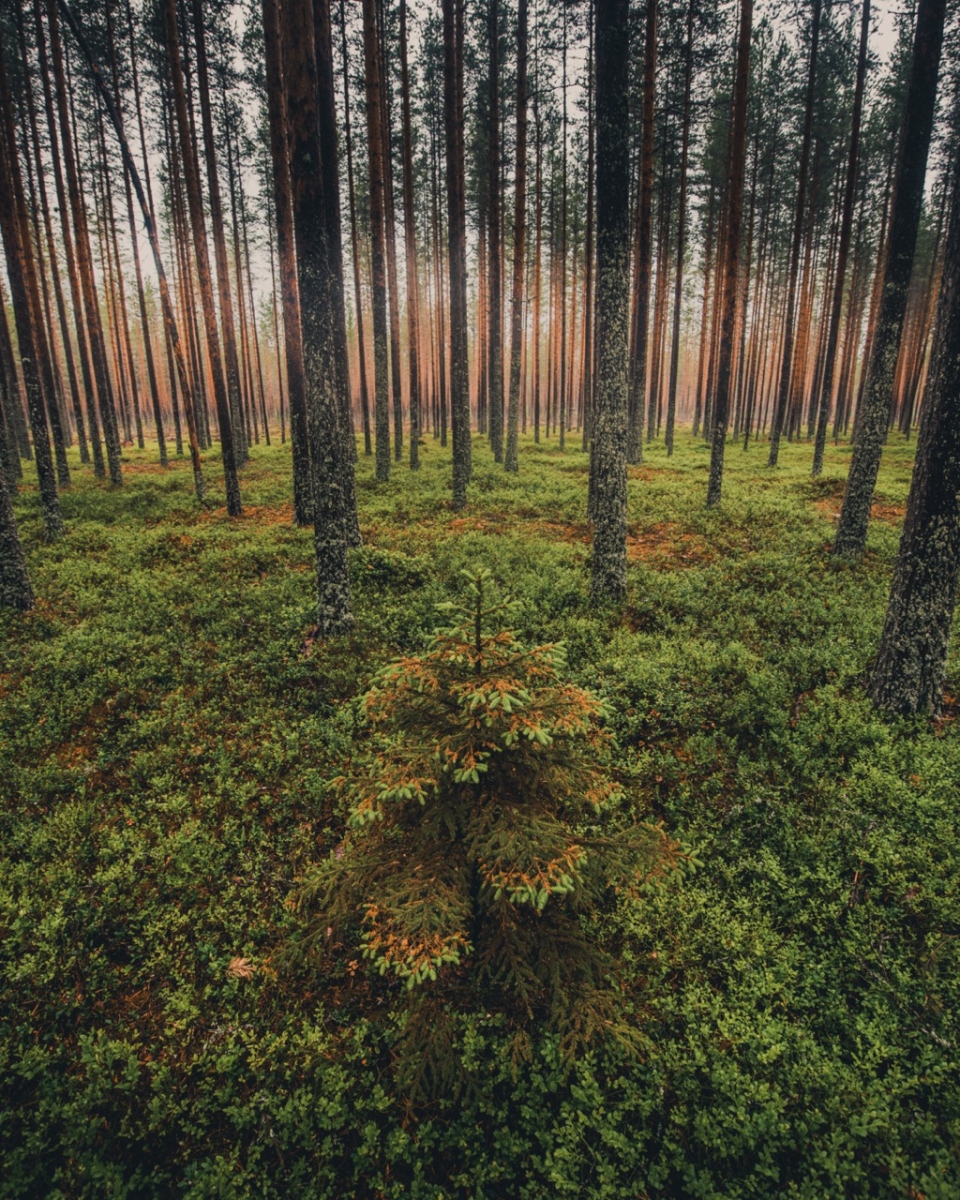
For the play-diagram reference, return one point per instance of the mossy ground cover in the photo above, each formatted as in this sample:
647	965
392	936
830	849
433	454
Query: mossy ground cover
167	726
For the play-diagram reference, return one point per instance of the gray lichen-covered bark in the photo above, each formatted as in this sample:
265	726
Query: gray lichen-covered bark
15	590
909	673
318	316
731	253
609	466
905	212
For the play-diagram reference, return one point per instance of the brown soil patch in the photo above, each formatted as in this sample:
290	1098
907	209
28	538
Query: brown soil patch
664	544
145	468
253	514
893	514
646	474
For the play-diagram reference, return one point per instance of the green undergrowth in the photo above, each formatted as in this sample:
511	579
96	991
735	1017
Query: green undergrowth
167	728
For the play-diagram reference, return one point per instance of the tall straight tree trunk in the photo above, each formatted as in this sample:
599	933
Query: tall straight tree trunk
224	296
21	273
537	264
149	223
44	332
346	453
286	252
15	589
843	248
705	309
41	189
560	410
911	664
355	240
609	473
644	253
494	281
588	247
731	252
122	323
906	206
453	18
511	460
681	233
198	226
91	305
786	365
390	234
410	243
371	47
316	263
141	295
73	274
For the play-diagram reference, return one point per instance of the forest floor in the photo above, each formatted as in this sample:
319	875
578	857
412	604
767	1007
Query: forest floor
167	725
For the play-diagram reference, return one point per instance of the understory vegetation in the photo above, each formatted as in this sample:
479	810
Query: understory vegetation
169	731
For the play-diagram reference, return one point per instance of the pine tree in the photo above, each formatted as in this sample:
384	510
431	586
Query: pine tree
906	205
911	662
609	462
484	832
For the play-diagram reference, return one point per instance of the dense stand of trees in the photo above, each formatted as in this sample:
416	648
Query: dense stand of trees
617	220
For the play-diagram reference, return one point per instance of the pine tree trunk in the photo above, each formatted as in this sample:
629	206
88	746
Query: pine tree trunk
613	208
67	349
286	253
511	461
731	253
681	233
410	243
239	434
84	263
316	264
355	241
911	663
15	589
901	243
453	18
141	295
390	235
644	251
198	227
346	454
21	274
381	381
786	364
495	285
